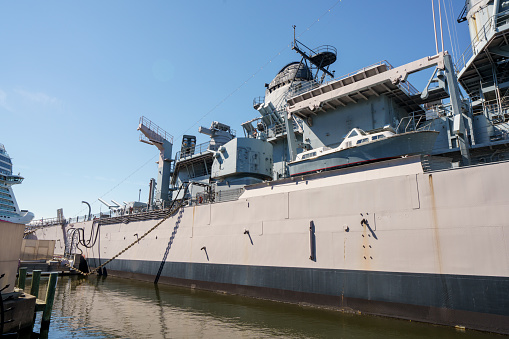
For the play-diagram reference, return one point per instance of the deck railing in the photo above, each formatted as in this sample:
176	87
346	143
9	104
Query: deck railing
493	22
155	129
188	152
300	88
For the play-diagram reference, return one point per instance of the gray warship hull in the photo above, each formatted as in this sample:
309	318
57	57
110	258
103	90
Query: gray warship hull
419	142
396	237
383	238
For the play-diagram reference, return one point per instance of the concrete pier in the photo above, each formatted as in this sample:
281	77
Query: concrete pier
17	307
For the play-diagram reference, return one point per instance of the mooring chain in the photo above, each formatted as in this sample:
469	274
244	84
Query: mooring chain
172	212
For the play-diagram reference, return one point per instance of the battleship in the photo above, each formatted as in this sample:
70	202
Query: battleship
414	230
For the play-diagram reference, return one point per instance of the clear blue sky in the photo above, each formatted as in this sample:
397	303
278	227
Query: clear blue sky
76	76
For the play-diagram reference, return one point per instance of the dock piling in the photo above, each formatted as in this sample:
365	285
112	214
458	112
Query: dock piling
50	295
22	277
36	278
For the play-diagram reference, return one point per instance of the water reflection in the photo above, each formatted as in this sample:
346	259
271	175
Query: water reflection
109	307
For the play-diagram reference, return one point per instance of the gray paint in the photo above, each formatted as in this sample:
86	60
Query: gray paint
398	145
329	128
468	293
245	156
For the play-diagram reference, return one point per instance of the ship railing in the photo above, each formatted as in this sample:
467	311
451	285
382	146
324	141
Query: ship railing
188	152
258	101
278	129
155	129
228	195
432	163
303	87
496	111
45	222
202	198
299	88
408	88
413	123
437	111
482	35
325	48
159	212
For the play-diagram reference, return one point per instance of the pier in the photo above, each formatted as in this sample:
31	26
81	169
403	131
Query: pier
18	309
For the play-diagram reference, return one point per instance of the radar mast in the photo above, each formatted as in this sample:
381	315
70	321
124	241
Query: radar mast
319	58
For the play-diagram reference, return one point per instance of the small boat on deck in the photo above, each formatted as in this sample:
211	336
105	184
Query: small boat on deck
360	147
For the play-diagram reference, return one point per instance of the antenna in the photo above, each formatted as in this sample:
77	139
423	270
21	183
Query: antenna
321	57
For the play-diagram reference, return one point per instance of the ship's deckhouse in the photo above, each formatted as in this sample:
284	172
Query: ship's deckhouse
357	87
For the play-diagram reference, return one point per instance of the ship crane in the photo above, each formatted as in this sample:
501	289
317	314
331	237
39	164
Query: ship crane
154	135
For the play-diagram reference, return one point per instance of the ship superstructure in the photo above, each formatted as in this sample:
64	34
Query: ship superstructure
416	234
9	210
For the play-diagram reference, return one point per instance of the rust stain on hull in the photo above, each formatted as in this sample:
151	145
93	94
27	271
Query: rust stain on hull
436	235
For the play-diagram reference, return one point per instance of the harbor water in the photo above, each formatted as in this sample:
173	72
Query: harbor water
110	307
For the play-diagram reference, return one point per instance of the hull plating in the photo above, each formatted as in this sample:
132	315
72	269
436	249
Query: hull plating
388	238
472	301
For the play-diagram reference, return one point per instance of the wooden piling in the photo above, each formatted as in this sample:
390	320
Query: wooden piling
50	296
22	277
36	278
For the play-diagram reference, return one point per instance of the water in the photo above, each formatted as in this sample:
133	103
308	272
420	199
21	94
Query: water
98	307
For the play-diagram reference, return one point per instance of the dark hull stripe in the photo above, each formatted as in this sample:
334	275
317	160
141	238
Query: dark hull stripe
476	302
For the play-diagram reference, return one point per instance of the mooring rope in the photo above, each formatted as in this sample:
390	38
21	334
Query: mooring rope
170	213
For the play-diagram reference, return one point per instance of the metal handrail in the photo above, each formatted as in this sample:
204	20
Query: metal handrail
493	22
411	125
192	150
325	48
299	88
312	85
258	101
156	129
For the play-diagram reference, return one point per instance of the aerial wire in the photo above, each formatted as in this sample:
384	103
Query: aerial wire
455	31
120	183
434	24
259	69
441	30
447	18
226	97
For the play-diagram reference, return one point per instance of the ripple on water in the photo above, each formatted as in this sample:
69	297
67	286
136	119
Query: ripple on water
110	307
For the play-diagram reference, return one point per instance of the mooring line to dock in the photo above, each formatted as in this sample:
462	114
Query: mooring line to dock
173	210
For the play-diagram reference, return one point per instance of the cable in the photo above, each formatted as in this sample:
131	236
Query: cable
449	30
455	35
260	69
225	98
121	182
